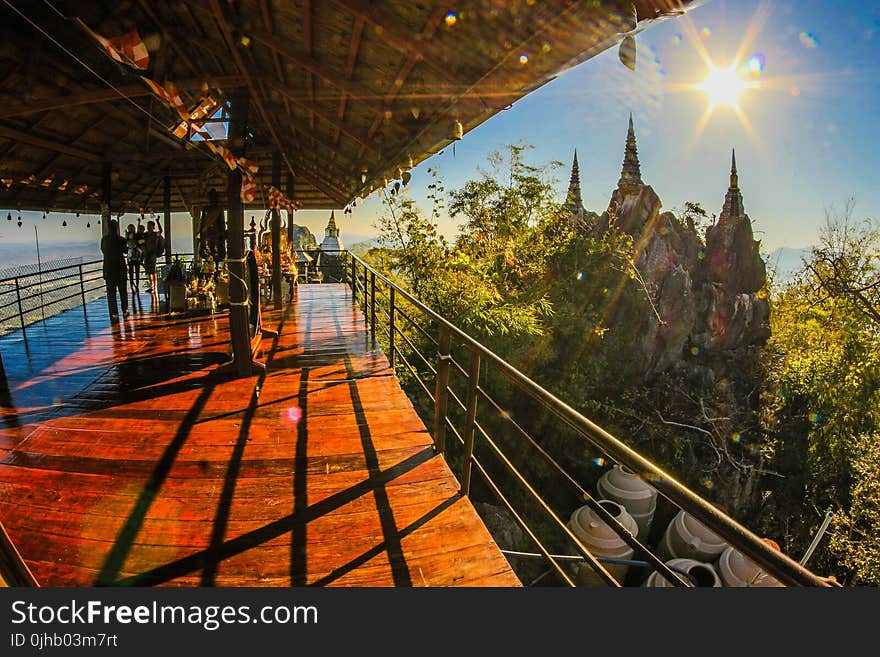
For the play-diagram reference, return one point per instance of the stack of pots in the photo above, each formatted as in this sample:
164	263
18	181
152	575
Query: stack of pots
737	570
687	538
701	574
602	541
624	487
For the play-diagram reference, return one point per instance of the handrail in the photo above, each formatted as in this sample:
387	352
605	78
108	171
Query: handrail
51	291
777	564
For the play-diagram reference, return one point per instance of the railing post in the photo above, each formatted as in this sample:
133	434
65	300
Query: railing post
353	279
441	388
373	304
82	286
470	420
18	297
391	329
366	293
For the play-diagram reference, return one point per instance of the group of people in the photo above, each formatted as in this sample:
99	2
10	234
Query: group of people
123	259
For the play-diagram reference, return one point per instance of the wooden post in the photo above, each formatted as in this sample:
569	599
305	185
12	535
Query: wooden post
276	235
239	327
166	201
106	196
441	388
196	214
470	420
291	233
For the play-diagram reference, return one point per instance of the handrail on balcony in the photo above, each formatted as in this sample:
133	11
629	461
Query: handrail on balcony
364	281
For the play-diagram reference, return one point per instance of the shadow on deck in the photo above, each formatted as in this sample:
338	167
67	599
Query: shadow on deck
126	460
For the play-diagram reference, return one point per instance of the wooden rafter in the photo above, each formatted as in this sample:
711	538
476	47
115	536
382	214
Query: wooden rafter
242	67
309	46
95	96
363	140
48	144
373	14
354	47
276	59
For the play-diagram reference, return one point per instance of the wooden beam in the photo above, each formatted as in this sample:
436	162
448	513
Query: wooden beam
307	31
242	68
166	203
106	196
48	144
109	95
276	59
363	140
276	235
310	65
403	42
354	47
239	326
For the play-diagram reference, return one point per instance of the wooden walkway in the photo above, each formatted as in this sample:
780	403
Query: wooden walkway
126	460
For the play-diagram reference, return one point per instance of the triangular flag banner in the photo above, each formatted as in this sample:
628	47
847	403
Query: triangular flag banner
276	198
225	153
248	189
128	49
63	185
247	165
170	94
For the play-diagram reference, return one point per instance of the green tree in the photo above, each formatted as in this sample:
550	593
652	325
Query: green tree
823	409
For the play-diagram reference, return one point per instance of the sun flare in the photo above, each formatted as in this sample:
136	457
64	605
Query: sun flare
723	86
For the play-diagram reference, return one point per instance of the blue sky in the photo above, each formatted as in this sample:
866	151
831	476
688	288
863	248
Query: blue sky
810	145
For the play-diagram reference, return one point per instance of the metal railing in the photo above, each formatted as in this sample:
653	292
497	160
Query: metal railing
469	396
34	294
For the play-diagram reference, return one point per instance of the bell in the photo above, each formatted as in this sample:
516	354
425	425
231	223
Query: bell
19	223
9	217
457	130
88	224
64	223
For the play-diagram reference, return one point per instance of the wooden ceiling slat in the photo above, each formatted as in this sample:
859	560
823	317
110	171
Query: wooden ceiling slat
48	144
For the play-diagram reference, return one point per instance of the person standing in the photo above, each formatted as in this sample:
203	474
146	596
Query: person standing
113	247
154	245
134	258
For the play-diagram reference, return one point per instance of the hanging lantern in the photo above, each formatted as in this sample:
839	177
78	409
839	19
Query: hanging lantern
88	224
19	223
64	223
9	217
457	130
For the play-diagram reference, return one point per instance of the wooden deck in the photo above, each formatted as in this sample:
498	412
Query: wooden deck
125	459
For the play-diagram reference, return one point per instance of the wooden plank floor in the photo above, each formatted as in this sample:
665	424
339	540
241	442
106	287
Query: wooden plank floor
125	459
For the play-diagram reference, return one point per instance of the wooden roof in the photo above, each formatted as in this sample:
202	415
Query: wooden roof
341	88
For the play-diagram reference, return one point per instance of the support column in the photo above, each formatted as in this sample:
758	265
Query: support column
167	228
239	327
106	187
196	214
276	235
290	226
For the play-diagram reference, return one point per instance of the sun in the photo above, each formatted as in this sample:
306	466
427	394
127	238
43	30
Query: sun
723	86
